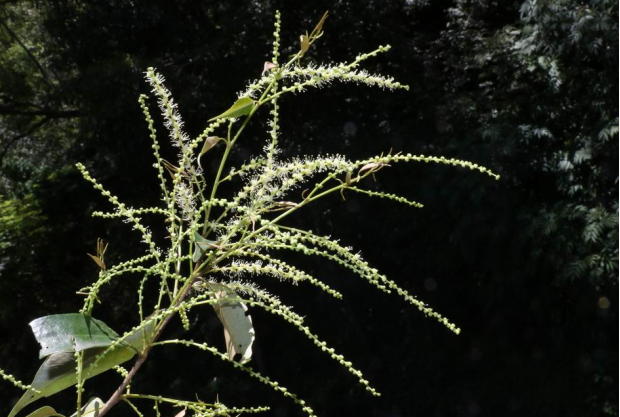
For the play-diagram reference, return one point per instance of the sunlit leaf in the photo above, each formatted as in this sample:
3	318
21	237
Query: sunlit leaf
238	329
58	371
69	332
202	245
91	409
242	107
46	411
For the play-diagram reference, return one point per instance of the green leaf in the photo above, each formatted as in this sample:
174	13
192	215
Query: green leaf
238	329
201	246
46	411
91	409
242	107
58	371
70	332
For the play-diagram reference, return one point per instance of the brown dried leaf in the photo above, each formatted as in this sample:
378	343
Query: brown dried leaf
373	166
210	142
304	43
319	27
238	329
268	67
172	170
285	204
98	261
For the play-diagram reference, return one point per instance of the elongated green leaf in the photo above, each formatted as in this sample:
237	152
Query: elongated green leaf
91	409
46	411
242	107
238	329
201	246
69	332
58	371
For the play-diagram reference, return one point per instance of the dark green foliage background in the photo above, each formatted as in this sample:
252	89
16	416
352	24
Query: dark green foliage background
528	90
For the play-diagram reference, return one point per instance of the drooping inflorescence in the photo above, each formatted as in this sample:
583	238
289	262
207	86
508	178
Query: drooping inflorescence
219	246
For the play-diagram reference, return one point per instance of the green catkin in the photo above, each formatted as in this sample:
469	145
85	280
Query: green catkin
276	268
156	408
121	371
10	378
387	196
138	212
155	146
265	380
79	356
295	320
141	296
354	262
198	407
133	407
184	318
276	38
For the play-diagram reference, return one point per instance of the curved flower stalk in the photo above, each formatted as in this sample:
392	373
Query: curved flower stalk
219	247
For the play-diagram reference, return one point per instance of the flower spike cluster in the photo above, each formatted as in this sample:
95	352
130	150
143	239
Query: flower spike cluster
219	246
246	230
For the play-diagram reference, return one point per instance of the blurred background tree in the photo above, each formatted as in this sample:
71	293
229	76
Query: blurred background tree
528	267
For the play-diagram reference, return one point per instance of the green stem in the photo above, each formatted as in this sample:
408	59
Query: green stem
166	400
177	268
230	142
80	382
133	407
229	145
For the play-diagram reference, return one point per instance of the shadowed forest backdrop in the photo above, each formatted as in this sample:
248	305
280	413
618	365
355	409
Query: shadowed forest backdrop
527	266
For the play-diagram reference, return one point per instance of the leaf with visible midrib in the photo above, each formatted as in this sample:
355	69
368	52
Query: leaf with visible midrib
46	411
91	409
210	142
238	329
201	246
242	107
70	332
58	371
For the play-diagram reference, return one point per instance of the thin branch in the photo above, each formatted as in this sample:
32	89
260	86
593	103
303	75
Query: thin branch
53	114
118	394
25	48
9	2
9	99
16	138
